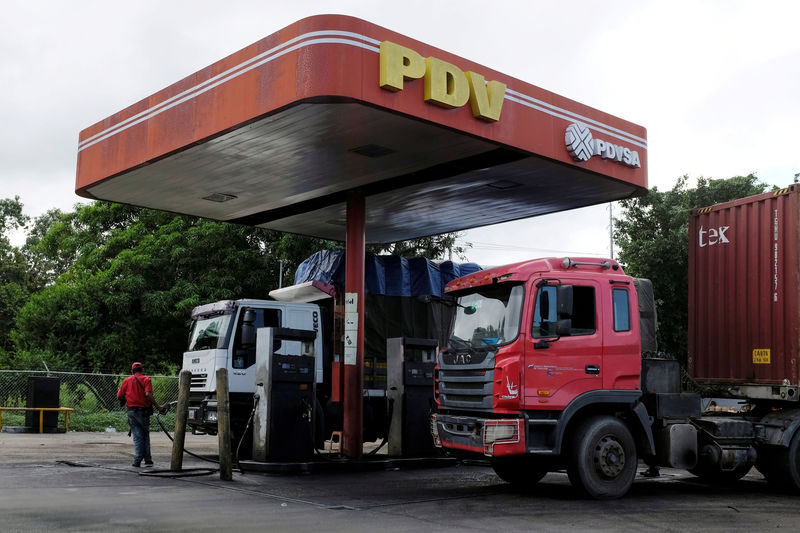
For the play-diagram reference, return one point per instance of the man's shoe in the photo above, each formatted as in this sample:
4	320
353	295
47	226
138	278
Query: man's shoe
137	464
148	463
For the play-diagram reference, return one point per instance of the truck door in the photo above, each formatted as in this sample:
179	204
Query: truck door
564	352
242	357
622	362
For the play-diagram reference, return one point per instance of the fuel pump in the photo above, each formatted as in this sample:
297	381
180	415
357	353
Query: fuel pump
284	391
409	374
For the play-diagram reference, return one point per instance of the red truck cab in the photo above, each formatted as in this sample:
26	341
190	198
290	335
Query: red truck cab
536	350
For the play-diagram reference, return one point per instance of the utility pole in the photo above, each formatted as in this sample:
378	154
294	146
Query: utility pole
611	229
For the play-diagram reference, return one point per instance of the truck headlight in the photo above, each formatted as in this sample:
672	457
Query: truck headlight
437	441
499	432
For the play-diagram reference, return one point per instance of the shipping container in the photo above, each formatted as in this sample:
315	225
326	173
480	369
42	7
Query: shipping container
743	291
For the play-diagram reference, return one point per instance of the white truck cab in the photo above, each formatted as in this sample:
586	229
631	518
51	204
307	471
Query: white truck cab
223	336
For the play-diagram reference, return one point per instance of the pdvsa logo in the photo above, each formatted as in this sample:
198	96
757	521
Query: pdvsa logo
582	146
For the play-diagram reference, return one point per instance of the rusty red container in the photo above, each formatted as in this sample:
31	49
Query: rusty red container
744	274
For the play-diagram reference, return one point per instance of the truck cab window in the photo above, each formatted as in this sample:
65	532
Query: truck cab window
544	314
583	311
488	317
574	318
209	333
622	314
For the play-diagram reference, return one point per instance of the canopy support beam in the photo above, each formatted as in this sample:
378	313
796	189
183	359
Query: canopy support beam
352	442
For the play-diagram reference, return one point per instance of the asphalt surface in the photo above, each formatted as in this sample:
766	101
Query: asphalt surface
84	482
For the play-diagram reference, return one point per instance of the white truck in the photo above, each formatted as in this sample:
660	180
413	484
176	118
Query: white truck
223	335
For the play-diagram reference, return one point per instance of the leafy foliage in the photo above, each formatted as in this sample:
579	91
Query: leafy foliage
653	235
123	280
15	282
96	288
433	247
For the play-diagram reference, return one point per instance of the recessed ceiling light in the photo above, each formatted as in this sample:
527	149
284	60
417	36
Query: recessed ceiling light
503	184
219	197
372	150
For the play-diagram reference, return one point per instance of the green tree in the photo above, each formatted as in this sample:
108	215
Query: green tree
111	282
653	236
290	250
432	247
121	282
45	247
14	278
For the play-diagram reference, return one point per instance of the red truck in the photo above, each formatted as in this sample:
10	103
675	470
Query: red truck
550	362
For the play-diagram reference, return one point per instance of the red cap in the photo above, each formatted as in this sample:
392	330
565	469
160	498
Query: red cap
134	366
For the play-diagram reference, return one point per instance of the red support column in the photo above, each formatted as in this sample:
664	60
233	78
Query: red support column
354	358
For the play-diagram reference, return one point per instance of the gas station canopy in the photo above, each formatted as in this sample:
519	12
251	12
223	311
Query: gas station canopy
337	128
275	135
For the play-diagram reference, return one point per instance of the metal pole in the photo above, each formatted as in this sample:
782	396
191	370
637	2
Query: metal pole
181	414
224	426
354	357
611	229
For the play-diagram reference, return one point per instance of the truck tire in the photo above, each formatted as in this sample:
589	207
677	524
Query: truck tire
767	465
601	460
781	465
521	472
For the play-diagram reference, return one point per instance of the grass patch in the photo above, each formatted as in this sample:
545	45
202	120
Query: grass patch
83	421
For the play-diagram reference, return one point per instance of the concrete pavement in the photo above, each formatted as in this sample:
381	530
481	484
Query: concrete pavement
84	482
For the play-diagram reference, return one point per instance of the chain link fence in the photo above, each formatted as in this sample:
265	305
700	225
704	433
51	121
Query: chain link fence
93	396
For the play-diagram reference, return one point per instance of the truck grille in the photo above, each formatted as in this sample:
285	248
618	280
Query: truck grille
466	386
199	381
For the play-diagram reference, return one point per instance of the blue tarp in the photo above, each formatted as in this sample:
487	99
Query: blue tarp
387	275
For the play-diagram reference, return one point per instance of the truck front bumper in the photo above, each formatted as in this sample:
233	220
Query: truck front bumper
492	437
202	416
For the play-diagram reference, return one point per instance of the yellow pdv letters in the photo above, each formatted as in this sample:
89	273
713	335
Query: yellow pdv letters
399	63
486	99
445	84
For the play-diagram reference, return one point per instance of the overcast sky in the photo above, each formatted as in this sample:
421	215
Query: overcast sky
716	83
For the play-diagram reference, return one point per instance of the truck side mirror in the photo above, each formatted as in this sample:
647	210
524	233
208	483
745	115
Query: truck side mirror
565	298
544	306
248	334
248	328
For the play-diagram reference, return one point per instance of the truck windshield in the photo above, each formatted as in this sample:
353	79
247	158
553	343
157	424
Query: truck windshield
209	333
488	317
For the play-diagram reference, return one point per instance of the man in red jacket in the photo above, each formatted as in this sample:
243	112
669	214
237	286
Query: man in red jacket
138	393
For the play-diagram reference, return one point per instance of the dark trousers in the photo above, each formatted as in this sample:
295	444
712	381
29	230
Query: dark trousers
139	420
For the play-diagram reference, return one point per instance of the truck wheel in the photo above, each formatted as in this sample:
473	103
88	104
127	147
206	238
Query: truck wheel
766	464
521	472
781	467
601	460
